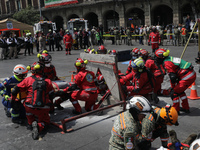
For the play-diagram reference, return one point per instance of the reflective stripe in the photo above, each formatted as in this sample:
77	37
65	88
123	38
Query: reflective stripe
92	107
188	76
115	133
176	101
183	97
164	139
91	89
161	91
123	125
29	114
74	102
28	105
150	117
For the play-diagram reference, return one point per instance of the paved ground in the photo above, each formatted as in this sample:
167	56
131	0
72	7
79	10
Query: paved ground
91	132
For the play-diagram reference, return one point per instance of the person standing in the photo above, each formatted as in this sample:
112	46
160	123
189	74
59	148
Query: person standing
68	40
141	32
42	41
176	36
50	39
27	44
37	35
154	38
85	39
183	35
3	46
12	43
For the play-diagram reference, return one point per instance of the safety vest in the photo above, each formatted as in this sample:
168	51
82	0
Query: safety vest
183	30
178	62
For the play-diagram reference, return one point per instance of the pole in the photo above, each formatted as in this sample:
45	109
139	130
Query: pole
189	39
199	33
40	10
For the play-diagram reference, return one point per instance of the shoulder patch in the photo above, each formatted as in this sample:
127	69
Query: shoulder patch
89	77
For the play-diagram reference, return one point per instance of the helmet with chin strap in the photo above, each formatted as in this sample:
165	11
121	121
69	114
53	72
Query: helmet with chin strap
80	64
162	53
35	68
20	70
101	50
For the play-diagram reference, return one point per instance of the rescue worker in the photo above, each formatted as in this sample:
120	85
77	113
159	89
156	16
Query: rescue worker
135	54
142	81
101	50
20	72
68	40
181	76
85	81
50	39
162	117
127	131
144	54
154	38
35	109
112	52
158	71
183	35
12	43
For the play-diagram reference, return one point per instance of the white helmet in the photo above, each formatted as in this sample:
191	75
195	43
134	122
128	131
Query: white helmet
140	103
20	69
195	145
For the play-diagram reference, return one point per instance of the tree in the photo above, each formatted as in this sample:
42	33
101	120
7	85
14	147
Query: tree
27	15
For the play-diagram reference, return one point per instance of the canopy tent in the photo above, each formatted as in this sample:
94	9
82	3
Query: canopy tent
10	24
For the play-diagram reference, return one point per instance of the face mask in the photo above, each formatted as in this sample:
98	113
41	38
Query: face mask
47	65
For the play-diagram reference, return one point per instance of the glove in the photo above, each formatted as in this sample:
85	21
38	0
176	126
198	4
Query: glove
7	97
149	43
72	87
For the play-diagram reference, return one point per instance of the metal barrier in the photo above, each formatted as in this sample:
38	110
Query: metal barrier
114	70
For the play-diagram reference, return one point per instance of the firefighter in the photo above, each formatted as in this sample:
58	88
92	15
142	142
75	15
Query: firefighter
154	38
142	81
159	72
37	101
85	81
162	117
112	52
68	40
135	54
181	76
144	54
127	131
101	50
20	72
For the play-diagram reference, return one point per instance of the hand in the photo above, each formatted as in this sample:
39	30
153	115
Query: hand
149	43
7	97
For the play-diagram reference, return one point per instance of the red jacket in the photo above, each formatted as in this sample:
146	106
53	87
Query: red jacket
68	40
154	37
85	80
50	73
26	86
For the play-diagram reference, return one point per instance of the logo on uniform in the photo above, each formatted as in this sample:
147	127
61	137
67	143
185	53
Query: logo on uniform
89	77
129	143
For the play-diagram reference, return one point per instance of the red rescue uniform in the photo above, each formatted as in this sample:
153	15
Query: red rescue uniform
68	40
154	37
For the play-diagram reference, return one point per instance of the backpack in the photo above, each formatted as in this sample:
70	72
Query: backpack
39	92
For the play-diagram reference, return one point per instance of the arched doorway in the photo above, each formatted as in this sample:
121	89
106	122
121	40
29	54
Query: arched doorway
134	17
92	19
72	16
162	15
185	11
59	22
111	19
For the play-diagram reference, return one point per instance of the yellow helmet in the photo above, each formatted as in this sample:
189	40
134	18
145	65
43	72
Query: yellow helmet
169	115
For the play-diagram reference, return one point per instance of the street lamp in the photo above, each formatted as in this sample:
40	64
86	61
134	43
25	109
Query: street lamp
40	11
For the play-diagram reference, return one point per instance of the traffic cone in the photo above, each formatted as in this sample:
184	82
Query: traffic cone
72	78
193	93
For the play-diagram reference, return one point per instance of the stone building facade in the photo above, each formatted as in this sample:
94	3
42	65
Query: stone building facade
110	13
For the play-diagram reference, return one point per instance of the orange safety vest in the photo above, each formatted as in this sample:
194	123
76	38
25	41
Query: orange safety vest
183	30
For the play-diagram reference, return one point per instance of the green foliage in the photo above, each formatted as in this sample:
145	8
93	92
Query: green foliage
27	15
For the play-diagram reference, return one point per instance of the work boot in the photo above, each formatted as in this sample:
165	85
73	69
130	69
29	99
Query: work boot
18	121
35	133
185	110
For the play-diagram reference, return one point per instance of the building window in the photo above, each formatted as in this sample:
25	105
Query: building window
29	3
18	5
8	7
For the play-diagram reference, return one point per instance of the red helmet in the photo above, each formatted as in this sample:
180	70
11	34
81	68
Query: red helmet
87	50
162	53
35	68
81	64
143	52
135	51
100	79
113	52
102	50
45	57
